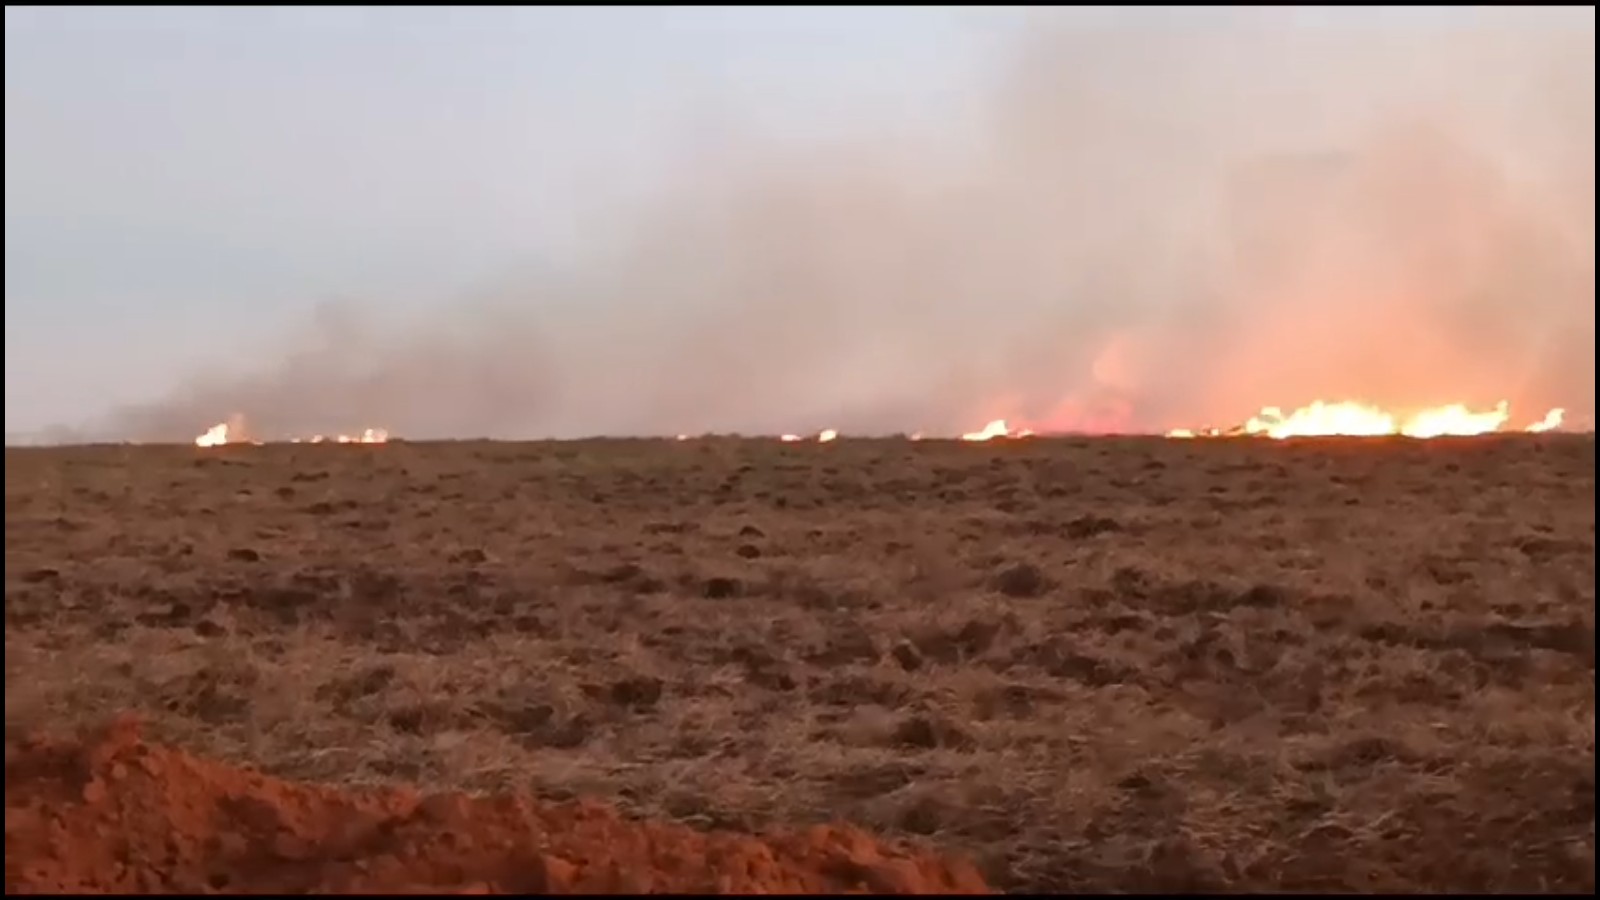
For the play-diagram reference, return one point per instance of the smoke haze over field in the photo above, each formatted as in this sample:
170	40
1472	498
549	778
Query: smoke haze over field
1140	226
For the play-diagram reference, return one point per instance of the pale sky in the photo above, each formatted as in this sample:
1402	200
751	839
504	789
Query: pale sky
181	181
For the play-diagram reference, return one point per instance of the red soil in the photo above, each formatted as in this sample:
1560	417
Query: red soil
115	814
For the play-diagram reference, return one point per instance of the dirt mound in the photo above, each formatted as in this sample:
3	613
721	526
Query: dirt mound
115	814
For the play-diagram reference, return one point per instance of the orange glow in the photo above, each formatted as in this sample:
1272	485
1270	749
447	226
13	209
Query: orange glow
996	429
1551	421
215	436
823	437
1322	418
233	431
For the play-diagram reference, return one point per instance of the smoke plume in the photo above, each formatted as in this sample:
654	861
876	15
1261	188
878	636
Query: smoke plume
1144	226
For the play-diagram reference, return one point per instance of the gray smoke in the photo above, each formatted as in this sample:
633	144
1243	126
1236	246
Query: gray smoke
1146	226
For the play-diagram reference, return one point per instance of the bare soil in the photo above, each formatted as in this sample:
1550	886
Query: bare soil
117	815
1089	665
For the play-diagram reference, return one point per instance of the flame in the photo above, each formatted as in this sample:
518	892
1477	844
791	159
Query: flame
996	429
215	436
233	432
1320	418
1348	418
367	436
823	436
1551	421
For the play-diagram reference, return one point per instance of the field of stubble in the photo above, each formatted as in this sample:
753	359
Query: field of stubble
1117	665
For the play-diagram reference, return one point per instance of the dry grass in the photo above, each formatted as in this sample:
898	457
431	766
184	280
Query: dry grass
1094	664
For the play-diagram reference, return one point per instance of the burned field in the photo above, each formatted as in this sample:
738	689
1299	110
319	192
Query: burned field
1112	664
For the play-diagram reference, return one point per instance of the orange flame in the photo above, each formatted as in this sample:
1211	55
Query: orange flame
823	436
215	436
996	429
233	432
1551	421
1348	418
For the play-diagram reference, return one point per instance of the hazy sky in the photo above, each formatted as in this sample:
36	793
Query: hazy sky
182	182
179	179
